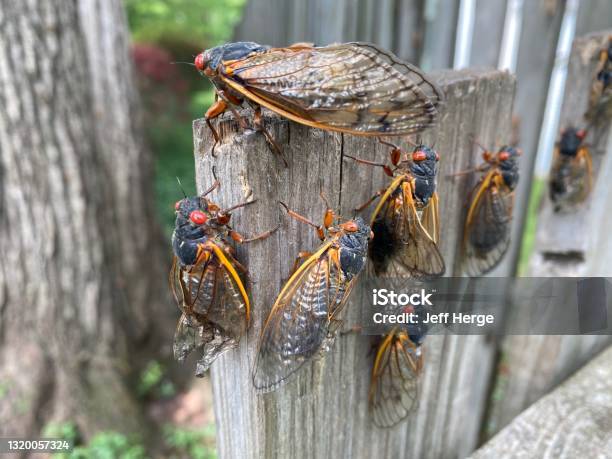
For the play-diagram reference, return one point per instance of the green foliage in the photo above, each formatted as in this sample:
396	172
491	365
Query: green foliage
193	443
537	190
178	442
201	22
152	382
104	445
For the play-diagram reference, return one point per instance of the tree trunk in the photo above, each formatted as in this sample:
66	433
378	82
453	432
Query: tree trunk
80	251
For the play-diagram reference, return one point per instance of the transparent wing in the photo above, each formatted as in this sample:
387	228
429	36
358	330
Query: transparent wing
353	87
394	385
188	336
409	249
430	218
487	228
298	326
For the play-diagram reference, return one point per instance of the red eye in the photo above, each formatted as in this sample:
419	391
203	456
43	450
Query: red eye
199	62
504	155
350	226
177	204
581	134
419	155
437	156
198	217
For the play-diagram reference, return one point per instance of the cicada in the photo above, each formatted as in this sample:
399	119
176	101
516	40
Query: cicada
205	280
306	315
406	221
571	176
395	380
355	88
600	99
486	233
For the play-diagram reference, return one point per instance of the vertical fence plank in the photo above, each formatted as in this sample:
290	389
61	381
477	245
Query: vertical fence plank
488	30
566	245
408	29
439	37
536	57
323	411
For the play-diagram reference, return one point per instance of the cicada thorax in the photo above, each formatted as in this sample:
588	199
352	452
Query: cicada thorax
570	179
307	312
489	217
205	281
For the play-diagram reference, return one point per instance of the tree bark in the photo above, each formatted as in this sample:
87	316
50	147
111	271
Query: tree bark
81	258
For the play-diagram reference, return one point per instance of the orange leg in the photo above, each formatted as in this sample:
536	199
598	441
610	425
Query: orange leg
303	219
258	121
371	200
242	240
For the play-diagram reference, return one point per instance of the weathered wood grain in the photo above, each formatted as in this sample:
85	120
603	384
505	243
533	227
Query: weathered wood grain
575	420
323	412
566	245
488	31
541	23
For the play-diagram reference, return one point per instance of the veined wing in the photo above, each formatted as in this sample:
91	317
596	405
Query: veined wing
394	385
299	324
354	87
487	227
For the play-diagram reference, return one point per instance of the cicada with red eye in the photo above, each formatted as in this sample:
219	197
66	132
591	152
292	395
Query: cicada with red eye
205	280
599	110
396	376
406	221
354	88
306	315
571	175
486	232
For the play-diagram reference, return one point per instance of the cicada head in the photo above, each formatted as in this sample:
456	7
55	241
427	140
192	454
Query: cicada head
424	161
207	62
571	139
507	157
354	246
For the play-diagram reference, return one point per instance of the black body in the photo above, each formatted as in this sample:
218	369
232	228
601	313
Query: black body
509	168
186	235
425	173
605	75
231	51
353	249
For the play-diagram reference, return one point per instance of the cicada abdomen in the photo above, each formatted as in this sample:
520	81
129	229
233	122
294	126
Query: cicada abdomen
355	88
571	175
306	315
486	234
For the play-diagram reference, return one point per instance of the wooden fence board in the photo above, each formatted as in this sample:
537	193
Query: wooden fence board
536	56
323	411
574	420
566	245
488	31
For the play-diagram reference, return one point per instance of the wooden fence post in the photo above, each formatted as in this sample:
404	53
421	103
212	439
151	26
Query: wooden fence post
573	421
323	411
566	245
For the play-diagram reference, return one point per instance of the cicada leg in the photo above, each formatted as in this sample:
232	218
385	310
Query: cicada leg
371	200
213	112
258	121
298	217
385	167
242	240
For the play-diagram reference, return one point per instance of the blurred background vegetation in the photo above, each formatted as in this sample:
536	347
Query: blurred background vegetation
166	36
